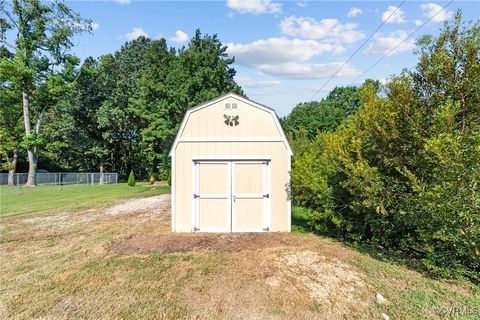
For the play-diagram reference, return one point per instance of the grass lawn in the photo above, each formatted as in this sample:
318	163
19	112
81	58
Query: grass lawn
122	262
50	199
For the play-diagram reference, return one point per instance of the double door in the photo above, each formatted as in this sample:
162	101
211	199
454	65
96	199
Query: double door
231	196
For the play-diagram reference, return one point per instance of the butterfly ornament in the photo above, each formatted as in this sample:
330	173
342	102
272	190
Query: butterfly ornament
231	120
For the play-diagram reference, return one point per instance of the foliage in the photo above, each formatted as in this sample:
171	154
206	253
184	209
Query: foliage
131	179
124	109
324	115
403	171
41	64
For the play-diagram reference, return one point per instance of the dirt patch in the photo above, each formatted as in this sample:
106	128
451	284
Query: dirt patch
198	242
337	287
134	205
151	207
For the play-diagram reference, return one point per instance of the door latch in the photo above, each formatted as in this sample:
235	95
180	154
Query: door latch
196	196
196	229
266	229
266	195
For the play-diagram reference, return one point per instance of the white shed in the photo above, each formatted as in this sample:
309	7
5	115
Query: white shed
231	169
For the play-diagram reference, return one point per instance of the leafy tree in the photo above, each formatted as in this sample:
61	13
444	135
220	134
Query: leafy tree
324	115
40	64
10	122
119	75
174	82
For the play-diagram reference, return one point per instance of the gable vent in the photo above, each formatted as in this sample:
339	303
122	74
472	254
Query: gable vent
229	105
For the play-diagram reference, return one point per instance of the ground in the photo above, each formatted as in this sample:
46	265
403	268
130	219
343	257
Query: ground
120	260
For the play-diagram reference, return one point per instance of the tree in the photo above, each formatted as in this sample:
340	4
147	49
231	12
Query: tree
324	115
10	121
40	64
131	179
171	84
118	76
86	99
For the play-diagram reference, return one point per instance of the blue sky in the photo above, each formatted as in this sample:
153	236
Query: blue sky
285	50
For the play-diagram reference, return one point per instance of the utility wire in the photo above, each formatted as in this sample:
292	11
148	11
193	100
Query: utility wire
401	42
358	49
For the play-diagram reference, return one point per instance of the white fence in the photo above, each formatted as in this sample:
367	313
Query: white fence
62	178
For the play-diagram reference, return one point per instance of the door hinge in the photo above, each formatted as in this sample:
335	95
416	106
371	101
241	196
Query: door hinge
196	196
266	229
196	229
266	162
266	195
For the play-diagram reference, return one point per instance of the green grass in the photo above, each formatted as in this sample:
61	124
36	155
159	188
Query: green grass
43	199
300	220
413	295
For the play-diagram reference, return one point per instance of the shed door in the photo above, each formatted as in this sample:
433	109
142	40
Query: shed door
249	194
231	196
213	196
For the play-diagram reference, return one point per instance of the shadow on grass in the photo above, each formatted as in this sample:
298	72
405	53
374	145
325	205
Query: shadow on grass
300	220
408	259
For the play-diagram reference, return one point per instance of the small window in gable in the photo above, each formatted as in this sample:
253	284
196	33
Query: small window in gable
228	106
234	106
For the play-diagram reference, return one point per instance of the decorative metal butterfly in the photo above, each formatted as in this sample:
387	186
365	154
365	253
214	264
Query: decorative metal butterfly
231	120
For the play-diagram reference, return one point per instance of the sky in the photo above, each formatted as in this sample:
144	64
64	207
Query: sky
285	51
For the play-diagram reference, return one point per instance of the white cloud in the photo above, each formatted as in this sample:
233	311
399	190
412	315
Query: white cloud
295	70
288	58
122	1
430	10
179	37
247	82
354	12
327	29
418	22
95	25
383	44
135	33
302	3
397	17
254	6
279	50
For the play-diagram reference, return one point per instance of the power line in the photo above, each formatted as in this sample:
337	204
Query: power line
401	42
358	49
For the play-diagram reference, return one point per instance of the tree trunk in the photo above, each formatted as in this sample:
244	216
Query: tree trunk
32	159
102	181
13	168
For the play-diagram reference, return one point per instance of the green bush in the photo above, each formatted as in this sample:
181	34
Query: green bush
131	179
403	172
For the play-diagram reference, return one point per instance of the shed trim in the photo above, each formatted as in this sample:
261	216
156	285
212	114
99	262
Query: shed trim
222	139
231	158
221	98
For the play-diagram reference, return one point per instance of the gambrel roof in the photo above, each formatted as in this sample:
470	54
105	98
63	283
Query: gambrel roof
241	99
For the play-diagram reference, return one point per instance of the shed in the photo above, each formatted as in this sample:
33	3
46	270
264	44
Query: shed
231	169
